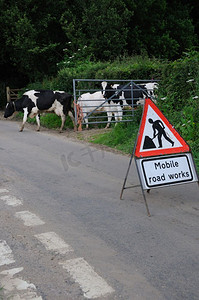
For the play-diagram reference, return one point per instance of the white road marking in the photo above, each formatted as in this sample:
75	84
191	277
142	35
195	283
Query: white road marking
53	242
6	256
29	218
17	288
90	282
93	285
4	191
11	200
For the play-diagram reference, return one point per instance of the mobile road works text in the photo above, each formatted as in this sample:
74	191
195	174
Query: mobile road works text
167	170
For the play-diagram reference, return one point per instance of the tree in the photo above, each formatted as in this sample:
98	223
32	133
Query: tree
162	28
100	25
32	37
34	33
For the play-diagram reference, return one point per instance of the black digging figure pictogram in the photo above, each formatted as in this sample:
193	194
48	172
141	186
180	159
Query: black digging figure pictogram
158	130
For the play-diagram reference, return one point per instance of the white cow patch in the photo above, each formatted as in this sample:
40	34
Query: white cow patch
34	112
31	95
58	92
57	107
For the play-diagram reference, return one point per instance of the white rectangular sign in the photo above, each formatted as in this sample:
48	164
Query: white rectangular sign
166	170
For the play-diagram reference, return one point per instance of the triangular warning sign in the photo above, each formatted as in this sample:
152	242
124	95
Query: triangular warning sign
156	135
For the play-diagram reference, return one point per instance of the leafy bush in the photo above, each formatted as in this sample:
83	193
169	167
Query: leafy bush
47	83
179	95
86	70
180	80
123	135
136	67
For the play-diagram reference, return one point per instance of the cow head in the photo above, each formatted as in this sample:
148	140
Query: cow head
104	85
151	88
10	109
109	91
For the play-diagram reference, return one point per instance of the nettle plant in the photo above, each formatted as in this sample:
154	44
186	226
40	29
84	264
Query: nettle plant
187	123
180	79
73	56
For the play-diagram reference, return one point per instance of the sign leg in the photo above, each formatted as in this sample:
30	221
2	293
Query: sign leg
147	208
123	187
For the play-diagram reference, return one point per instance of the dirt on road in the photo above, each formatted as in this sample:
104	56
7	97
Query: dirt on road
84	136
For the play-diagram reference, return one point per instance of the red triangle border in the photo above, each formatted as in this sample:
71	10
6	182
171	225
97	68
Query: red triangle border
185	147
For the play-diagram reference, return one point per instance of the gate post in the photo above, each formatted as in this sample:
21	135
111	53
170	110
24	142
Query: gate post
8	94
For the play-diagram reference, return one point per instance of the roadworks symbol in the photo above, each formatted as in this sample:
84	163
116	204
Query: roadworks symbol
156	135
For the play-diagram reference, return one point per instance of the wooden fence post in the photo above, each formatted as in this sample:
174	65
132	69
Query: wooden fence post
8	93
11	94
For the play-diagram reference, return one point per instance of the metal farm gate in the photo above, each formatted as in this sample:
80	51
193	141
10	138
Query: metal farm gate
92	108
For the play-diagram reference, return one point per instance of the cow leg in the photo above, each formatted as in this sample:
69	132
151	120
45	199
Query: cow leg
117	119
118	114
73	120
85	119
38	122
115	113
109	114
25	115
63	118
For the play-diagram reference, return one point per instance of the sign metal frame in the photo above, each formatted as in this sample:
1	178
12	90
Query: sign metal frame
174	155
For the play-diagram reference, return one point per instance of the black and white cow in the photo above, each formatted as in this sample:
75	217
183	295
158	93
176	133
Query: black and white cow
124	93
151	88
127	93
95	102
34	102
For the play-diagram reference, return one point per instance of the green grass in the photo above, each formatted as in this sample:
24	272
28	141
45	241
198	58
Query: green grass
123	137
53	121
49	120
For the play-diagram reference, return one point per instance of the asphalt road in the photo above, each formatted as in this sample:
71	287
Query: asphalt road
65	234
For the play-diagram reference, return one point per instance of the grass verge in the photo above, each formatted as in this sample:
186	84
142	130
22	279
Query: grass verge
123	137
